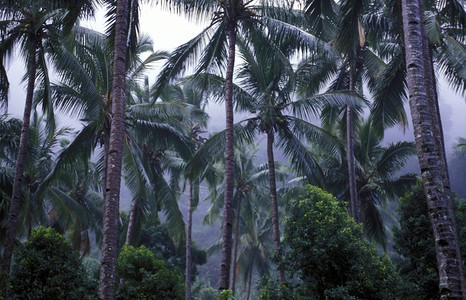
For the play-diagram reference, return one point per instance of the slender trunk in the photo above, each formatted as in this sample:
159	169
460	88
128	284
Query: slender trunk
84	247
432	97
446	242
131	222
189	225
274	203
250	273
20	162
235	245
105	165
354	202
224	277
115	155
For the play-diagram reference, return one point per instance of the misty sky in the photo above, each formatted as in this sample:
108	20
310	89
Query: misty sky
168	31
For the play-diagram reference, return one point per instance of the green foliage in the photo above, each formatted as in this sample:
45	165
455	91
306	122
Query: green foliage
156	238
328	255
414	242
146	277
271	290
225	295
207	293
46	267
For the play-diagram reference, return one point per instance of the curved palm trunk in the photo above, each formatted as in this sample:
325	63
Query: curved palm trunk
354	202
273	199
446	241
235	244
131	222
20	162
189	225
115	154
250	274
224	277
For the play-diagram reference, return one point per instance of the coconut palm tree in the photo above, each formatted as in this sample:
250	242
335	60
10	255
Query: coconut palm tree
157	141
251	207
227	19
266	88
215	46
61	206
195	122
153	128
114	156
10	130
378	184
446	241
35	26
76	205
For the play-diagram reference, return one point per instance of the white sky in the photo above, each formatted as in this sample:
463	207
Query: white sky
169	30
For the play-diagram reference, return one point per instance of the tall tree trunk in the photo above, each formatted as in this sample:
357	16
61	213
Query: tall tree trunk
274	203
189	226
354	202
131	222
235	244
250	273
224	277
105	164
20	161
432	97
115	155
446	241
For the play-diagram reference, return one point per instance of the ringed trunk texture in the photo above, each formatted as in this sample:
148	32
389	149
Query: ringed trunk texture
235	244
189	225
224	277
105	164
115	154
432	97
446	241
274	203
20	162
354	202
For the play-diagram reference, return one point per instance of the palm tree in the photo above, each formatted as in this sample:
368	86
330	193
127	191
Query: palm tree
195	123
252	215
255	244
376	178
215	46
77	205
35	26
115	156
227	19
68	204
356	34
10	130
155	143
446	240
266	89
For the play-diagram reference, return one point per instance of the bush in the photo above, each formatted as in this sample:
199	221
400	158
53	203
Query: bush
414	241
46	267
327	253
146	277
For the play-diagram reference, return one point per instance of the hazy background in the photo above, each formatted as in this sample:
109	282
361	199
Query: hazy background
169	31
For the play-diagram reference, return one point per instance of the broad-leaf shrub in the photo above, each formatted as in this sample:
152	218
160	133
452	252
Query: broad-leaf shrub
414	242
329	257
146	277
46	267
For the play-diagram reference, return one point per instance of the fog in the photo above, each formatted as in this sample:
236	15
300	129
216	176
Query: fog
169	31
